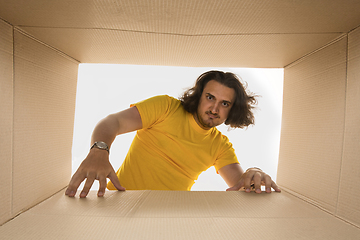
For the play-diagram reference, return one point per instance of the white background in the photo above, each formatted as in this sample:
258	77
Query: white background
105	89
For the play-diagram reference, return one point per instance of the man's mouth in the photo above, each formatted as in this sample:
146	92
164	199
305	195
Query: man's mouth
211	115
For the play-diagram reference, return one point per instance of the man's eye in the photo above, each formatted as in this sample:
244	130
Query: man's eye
209	97
225	104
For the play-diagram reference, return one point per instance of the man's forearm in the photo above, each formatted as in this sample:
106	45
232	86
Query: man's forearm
118	123
106	130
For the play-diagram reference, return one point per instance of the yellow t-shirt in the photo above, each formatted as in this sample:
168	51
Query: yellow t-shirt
171	150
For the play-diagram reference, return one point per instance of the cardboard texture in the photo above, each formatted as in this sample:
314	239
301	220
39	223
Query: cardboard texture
313	124
44	108
318	159
6	119
316	41
206	33
38	87
162	49
177	215
349	196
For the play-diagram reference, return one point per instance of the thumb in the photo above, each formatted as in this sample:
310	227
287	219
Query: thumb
236	187
115	181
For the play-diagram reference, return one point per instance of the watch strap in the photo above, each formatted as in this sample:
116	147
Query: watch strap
101	145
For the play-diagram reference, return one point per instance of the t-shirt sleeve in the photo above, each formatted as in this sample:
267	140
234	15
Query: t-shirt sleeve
153	110
226	155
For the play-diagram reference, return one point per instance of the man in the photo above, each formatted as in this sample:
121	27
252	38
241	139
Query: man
176	140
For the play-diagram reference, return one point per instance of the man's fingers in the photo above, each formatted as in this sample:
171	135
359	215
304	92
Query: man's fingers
255	179
268	182
89	182
75	182
70	192
102	182
115	181
237	186
247	181
275	187
257	182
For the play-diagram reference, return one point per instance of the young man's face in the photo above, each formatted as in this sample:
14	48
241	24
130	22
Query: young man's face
214	106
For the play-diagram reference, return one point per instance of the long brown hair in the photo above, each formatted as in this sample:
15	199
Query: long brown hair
240	115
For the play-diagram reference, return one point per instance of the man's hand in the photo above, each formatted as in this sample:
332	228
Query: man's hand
237	179
96	166
255	178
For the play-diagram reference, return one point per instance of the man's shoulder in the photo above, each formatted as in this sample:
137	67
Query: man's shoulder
162	104
168	100
162	98
157	100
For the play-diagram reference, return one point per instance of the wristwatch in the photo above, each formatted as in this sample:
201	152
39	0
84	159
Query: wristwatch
100	145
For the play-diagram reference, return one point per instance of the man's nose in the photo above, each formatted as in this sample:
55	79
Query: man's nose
215	108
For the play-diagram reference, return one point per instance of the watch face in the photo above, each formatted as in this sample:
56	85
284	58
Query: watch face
101	145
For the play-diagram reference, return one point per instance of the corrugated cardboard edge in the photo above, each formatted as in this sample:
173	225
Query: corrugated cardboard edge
317	50
6	118
348	201
316	204
20	30
30	207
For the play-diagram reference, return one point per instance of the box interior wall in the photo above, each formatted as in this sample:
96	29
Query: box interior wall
320	139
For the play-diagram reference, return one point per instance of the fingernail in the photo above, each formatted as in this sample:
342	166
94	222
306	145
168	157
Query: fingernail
247	190
258	190
268	190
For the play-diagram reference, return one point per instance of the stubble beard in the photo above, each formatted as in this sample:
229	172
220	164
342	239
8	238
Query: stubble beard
211	120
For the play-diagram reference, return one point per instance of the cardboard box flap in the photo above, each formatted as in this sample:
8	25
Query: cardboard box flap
6	119
313	123
199	33
349	195
177	215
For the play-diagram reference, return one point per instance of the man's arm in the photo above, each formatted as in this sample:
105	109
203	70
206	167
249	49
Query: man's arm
236	178
96	166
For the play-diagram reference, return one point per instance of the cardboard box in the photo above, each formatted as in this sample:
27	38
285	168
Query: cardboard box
316	43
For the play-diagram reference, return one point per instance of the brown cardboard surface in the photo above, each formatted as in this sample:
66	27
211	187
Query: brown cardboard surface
234	50
187	33
6	119
313	123
44	105
188	16
177	215
349	195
